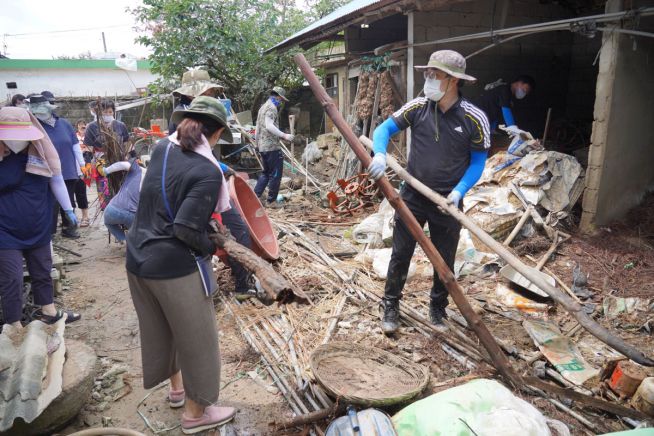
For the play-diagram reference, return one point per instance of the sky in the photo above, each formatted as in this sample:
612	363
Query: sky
46	29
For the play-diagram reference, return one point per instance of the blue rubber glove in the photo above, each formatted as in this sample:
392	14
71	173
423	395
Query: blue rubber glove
377	167
71	217
454	198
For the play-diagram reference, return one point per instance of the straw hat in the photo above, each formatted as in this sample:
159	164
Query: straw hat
195	83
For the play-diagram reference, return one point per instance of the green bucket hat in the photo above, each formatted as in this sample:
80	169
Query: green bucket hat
209	107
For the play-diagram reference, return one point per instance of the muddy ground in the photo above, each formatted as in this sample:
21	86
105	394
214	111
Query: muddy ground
96	286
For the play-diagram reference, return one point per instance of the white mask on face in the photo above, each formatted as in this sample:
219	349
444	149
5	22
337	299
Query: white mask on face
432	89
107	118
16	146
520	93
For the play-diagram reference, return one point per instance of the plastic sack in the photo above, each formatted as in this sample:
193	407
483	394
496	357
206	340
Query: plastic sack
380	261
480	407
376	229
311	153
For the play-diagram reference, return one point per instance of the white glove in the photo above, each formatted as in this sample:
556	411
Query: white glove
377	167
454	198
513	130
288	137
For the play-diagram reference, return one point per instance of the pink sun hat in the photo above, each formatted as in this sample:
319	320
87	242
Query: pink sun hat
16	125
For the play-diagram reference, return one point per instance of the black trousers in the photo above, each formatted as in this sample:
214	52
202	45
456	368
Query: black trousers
57	210
237	227
444	232
80	195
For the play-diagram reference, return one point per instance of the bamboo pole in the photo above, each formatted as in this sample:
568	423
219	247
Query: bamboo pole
568	303
496	354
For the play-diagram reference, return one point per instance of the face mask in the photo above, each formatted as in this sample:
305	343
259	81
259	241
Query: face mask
432	89
17	146
22	105
107	118
520	93
276	101
41	111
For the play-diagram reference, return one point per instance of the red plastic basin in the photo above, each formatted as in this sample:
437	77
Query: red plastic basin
264	240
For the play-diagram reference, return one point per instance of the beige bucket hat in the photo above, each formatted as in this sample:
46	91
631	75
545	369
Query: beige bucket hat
197	82
450	61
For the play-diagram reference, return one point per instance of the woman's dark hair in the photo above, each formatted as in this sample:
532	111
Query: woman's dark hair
79	122
16	98
107	104
191	129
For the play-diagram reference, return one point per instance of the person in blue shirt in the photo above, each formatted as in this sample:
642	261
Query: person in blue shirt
63	136
449	146
30	173
497	99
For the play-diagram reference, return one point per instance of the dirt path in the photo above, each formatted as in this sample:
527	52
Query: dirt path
97	287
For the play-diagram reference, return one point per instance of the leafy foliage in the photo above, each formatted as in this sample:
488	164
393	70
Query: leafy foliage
228	38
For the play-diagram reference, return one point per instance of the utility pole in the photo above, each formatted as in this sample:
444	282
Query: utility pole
104	42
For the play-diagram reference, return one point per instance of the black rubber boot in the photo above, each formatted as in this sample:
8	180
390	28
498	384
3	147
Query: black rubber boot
437	314
391	315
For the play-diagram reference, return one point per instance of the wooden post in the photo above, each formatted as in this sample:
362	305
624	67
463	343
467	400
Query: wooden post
475	322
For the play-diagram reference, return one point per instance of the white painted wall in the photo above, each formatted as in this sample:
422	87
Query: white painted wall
79	82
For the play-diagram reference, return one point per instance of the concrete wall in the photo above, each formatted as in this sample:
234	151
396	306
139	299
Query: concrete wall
76	82
622	150
74	109
545	56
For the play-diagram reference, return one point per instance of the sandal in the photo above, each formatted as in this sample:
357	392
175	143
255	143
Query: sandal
51	319
84	222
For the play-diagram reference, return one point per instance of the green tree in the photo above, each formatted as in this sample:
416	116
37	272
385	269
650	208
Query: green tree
227	37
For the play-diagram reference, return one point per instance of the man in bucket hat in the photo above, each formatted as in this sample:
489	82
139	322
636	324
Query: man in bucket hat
195	83
449	143
268	136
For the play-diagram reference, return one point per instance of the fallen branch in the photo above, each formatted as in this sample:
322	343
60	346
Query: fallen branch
307	418
275	285
568	303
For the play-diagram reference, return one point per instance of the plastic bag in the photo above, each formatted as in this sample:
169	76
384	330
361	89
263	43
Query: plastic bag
311	153
380	262
376	229
480	407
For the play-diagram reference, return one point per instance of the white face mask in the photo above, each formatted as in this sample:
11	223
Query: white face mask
107	118
16	146
520	93
432	89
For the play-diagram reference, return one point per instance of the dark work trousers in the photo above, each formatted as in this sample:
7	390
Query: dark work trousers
444	231
80	195
237	227
273	168
39	264
57	210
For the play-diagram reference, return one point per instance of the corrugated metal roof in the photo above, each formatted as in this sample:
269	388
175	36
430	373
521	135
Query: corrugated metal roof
31	365
340	14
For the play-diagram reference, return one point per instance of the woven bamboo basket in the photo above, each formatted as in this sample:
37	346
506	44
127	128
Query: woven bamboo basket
367	376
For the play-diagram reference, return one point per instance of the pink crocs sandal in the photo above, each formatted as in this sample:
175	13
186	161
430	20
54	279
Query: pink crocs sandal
212	417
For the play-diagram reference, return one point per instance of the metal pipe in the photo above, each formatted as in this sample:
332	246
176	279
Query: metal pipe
539	27
627	31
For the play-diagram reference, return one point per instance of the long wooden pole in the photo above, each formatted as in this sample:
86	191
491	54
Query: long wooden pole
530	273
475	322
